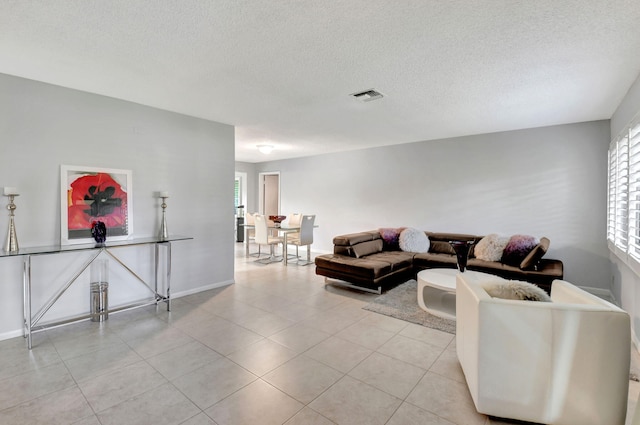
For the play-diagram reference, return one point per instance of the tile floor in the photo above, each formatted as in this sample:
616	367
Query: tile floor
278	347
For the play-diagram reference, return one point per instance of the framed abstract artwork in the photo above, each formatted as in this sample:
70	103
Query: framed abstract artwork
88	195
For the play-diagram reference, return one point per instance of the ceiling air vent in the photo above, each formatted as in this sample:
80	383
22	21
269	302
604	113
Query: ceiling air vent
367	95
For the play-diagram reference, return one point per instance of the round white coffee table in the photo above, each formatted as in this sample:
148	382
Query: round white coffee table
437	290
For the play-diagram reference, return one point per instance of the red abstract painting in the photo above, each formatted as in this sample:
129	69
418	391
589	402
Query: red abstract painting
96	196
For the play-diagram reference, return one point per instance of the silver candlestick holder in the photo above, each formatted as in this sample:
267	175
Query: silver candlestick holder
164	231
11	243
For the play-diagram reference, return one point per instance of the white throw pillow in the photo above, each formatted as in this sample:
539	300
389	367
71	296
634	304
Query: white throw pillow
414	240
515	290
490	247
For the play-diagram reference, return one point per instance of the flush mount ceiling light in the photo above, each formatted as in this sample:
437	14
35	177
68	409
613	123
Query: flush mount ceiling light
367	95
265	149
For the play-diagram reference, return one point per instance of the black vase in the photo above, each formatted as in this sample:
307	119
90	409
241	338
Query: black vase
99	232
462	252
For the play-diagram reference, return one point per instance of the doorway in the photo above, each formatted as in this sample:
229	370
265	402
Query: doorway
269	195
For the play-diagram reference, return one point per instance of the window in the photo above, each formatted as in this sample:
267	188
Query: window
237	198
623	197
240	191
634	191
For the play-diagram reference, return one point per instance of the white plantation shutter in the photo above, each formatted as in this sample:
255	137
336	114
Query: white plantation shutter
623	193
611	193
634	191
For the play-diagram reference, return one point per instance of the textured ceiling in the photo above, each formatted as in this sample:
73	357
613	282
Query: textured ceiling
281	71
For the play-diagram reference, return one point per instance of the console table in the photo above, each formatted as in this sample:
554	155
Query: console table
31	320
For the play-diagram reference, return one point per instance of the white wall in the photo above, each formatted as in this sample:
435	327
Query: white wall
44	126
629	107
545	182
252	185
626	282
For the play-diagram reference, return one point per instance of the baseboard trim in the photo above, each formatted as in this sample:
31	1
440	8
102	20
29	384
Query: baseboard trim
11	334
19	332
202	288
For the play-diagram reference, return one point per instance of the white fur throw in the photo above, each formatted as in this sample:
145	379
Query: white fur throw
515	290
414	240
490	247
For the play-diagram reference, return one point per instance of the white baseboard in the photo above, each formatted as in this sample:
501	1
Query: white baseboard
202	288
19	332
10	334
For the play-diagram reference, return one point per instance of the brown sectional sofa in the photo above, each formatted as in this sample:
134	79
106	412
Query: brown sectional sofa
363	260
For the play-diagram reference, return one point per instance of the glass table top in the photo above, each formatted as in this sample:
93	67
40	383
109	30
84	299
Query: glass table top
53	249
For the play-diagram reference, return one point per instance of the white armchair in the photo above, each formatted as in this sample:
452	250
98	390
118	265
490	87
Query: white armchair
560	363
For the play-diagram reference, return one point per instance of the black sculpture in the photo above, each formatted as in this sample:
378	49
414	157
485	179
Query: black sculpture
462	249
99	231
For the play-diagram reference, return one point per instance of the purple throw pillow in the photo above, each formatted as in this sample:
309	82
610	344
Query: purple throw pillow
518	247
391	237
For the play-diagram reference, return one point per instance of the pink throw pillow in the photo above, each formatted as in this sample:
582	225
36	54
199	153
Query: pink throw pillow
518	247
391	237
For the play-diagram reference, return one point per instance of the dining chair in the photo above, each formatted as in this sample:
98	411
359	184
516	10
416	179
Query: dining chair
293	220
262	237
251	233
304	238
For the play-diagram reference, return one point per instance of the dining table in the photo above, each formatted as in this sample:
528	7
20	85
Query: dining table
282	229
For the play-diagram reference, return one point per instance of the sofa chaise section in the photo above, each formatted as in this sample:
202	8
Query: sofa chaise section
360	260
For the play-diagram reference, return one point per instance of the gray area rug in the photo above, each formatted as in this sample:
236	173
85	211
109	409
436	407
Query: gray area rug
401	302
